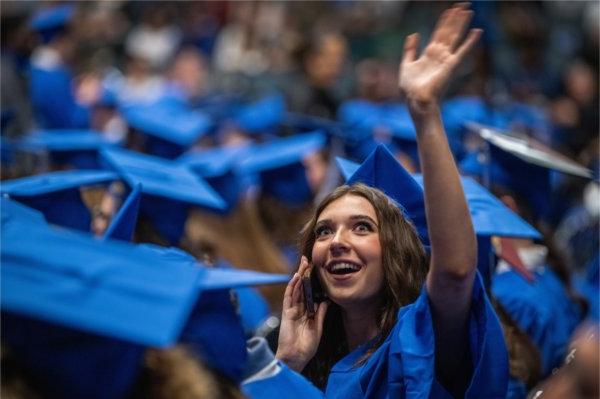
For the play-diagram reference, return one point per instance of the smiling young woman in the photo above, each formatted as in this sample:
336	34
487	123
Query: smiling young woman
400	323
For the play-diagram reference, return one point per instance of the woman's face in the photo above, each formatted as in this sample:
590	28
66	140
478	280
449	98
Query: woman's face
347	251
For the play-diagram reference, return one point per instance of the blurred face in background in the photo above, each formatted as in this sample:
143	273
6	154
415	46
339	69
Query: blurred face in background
324	64
189	72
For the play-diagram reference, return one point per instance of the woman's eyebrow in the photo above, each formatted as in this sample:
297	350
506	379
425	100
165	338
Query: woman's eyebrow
363	217
352	218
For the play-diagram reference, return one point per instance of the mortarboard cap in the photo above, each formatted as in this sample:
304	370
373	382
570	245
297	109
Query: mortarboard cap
531	118
459	111
57	194
214	330
122	226
78	311
7	151
369	124
280	166
167	187
78	148
381	170
218	167
310	123
170	128
522	165
489	215
13	211
49	22
262	115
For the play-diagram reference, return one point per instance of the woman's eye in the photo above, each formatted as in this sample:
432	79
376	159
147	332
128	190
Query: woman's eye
322	231
363	227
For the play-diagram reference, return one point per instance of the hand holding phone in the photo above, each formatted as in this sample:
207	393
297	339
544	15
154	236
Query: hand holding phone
313	291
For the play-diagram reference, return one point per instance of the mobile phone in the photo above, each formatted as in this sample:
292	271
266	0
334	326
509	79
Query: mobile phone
313	291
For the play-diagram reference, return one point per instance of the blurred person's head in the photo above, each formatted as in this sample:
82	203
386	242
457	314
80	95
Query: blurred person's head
324	58
376	80
581	82
189	72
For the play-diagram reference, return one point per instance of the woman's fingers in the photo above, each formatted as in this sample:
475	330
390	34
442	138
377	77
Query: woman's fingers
452	25
320	316
298	296
469	42
459	25
287	295
410	48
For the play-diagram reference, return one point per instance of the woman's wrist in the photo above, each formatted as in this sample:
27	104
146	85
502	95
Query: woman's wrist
293	362
423	109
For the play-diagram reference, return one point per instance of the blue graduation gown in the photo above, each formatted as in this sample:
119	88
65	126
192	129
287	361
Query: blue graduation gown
268	378
53	101
403	366
541	309
285	384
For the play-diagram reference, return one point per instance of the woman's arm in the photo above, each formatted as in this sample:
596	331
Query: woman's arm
453	243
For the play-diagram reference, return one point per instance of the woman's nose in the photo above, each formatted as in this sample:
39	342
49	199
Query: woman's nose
339	242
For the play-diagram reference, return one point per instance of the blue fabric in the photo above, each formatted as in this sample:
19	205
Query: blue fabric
67	363
279	163
109	288
53	102
50	21
286	384
57	195
13	210
369	124
588	286
123	224
261	115
516	389
253	310
533	311
403	367
214	332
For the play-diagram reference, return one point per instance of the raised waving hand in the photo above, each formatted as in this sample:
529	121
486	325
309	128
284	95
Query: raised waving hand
423	78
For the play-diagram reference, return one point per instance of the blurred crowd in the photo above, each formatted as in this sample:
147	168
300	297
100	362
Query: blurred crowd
259	98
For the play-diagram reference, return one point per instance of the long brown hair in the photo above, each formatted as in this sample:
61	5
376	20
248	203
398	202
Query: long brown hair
405	266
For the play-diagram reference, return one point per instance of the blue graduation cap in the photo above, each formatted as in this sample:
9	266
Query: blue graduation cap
381	170
262	115
218	166
168	189
459	111
78	312
213	329
279	163
520	164
170	128
78	148
122	226
529	117
13	211
49	22
369	124
57	194
7	151
310	123
491	217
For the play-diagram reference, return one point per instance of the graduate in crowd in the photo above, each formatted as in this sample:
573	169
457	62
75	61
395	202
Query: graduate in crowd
377	336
